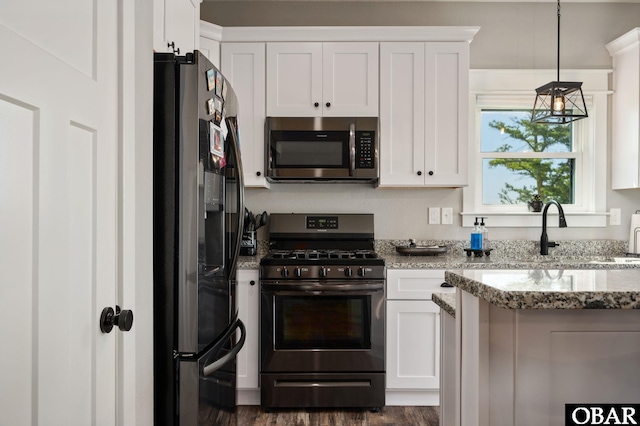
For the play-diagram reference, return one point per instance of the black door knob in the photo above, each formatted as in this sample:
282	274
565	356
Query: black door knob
258	173
328	104
430	173
316	104
121	318
419	173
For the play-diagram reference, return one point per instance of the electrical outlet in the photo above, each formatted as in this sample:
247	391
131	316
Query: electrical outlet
434	215
614	216
447	216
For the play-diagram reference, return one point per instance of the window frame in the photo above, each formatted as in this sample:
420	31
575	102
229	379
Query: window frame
514	89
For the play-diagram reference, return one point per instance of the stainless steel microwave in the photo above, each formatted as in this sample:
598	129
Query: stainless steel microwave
321	149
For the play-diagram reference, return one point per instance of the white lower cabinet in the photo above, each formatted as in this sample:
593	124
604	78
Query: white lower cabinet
247	362
413	336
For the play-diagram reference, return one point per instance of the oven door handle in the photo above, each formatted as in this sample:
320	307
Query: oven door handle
323	289
323	293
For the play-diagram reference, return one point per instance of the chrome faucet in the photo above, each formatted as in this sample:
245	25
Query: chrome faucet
544	239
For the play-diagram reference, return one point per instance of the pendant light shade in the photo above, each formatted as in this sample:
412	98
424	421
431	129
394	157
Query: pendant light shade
559	102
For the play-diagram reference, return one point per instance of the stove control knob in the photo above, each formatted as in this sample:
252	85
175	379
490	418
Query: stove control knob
322	272
297	272
348	272
361	271
285	272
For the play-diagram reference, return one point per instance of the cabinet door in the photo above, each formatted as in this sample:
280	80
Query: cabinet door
446	114
210	36
243	64
402	112
350	79
424	114
294	79
249	311
625	116
413	344
177	22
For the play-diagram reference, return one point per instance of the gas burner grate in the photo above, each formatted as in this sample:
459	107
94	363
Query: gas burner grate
322	254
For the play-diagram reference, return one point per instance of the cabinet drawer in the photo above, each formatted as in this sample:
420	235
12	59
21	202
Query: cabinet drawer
415	284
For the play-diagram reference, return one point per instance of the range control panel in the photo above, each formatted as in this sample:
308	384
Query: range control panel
322	222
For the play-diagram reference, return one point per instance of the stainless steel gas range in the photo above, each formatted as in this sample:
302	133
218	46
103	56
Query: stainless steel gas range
322	313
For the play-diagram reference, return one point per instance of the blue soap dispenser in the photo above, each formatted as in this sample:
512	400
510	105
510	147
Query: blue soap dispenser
476	236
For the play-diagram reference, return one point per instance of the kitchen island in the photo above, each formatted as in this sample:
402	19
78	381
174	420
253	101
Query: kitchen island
530	341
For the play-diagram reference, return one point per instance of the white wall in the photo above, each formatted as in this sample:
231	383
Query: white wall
512	35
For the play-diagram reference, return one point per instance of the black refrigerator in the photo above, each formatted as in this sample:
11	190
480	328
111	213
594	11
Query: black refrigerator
198	215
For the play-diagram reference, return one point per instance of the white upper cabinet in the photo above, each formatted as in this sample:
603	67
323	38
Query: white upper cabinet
350	79
424	114
210	36
625	129
243	64
322	79
176	25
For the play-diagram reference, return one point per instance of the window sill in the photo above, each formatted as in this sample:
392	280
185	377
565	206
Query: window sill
534	220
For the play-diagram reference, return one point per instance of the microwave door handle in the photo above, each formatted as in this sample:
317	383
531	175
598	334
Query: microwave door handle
352	149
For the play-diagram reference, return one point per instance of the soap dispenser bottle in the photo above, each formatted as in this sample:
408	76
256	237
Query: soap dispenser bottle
476	236
485	234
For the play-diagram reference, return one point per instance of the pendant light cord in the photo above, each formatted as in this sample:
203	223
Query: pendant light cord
558	59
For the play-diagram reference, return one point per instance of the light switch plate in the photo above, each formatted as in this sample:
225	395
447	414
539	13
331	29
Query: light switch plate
447	215
614	216
434	215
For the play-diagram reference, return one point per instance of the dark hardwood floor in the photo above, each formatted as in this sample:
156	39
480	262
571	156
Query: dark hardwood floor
391	416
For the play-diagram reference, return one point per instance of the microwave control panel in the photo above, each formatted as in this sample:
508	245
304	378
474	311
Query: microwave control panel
365	149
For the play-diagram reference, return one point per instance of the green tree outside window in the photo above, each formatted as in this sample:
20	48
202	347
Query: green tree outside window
547	175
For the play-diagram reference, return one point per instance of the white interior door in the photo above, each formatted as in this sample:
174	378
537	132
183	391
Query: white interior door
58	210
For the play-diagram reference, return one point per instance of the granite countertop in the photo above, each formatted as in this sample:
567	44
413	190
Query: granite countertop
446	301
516	257
461	261
552	289
249	262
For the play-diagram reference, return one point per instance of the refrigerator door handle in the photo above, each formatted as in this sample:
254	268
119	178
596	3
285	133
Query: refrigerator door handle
217	364
240	197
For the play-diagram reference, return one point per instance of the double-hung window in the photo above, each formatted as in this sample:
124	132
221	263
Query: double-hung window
513	161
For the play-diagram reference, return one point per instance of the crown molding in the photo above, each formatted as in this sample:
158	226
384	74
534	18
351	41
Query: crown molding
382	33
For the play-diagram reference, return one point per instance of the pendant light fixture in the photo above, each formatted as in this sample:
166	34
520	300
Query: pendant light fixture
559	102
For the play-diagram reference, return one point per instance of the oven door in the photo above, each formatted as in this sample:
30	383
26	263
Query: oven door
337	327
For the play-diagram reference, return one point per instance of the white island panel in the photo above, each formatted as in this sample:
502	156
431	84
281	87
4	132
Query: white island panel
528	346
